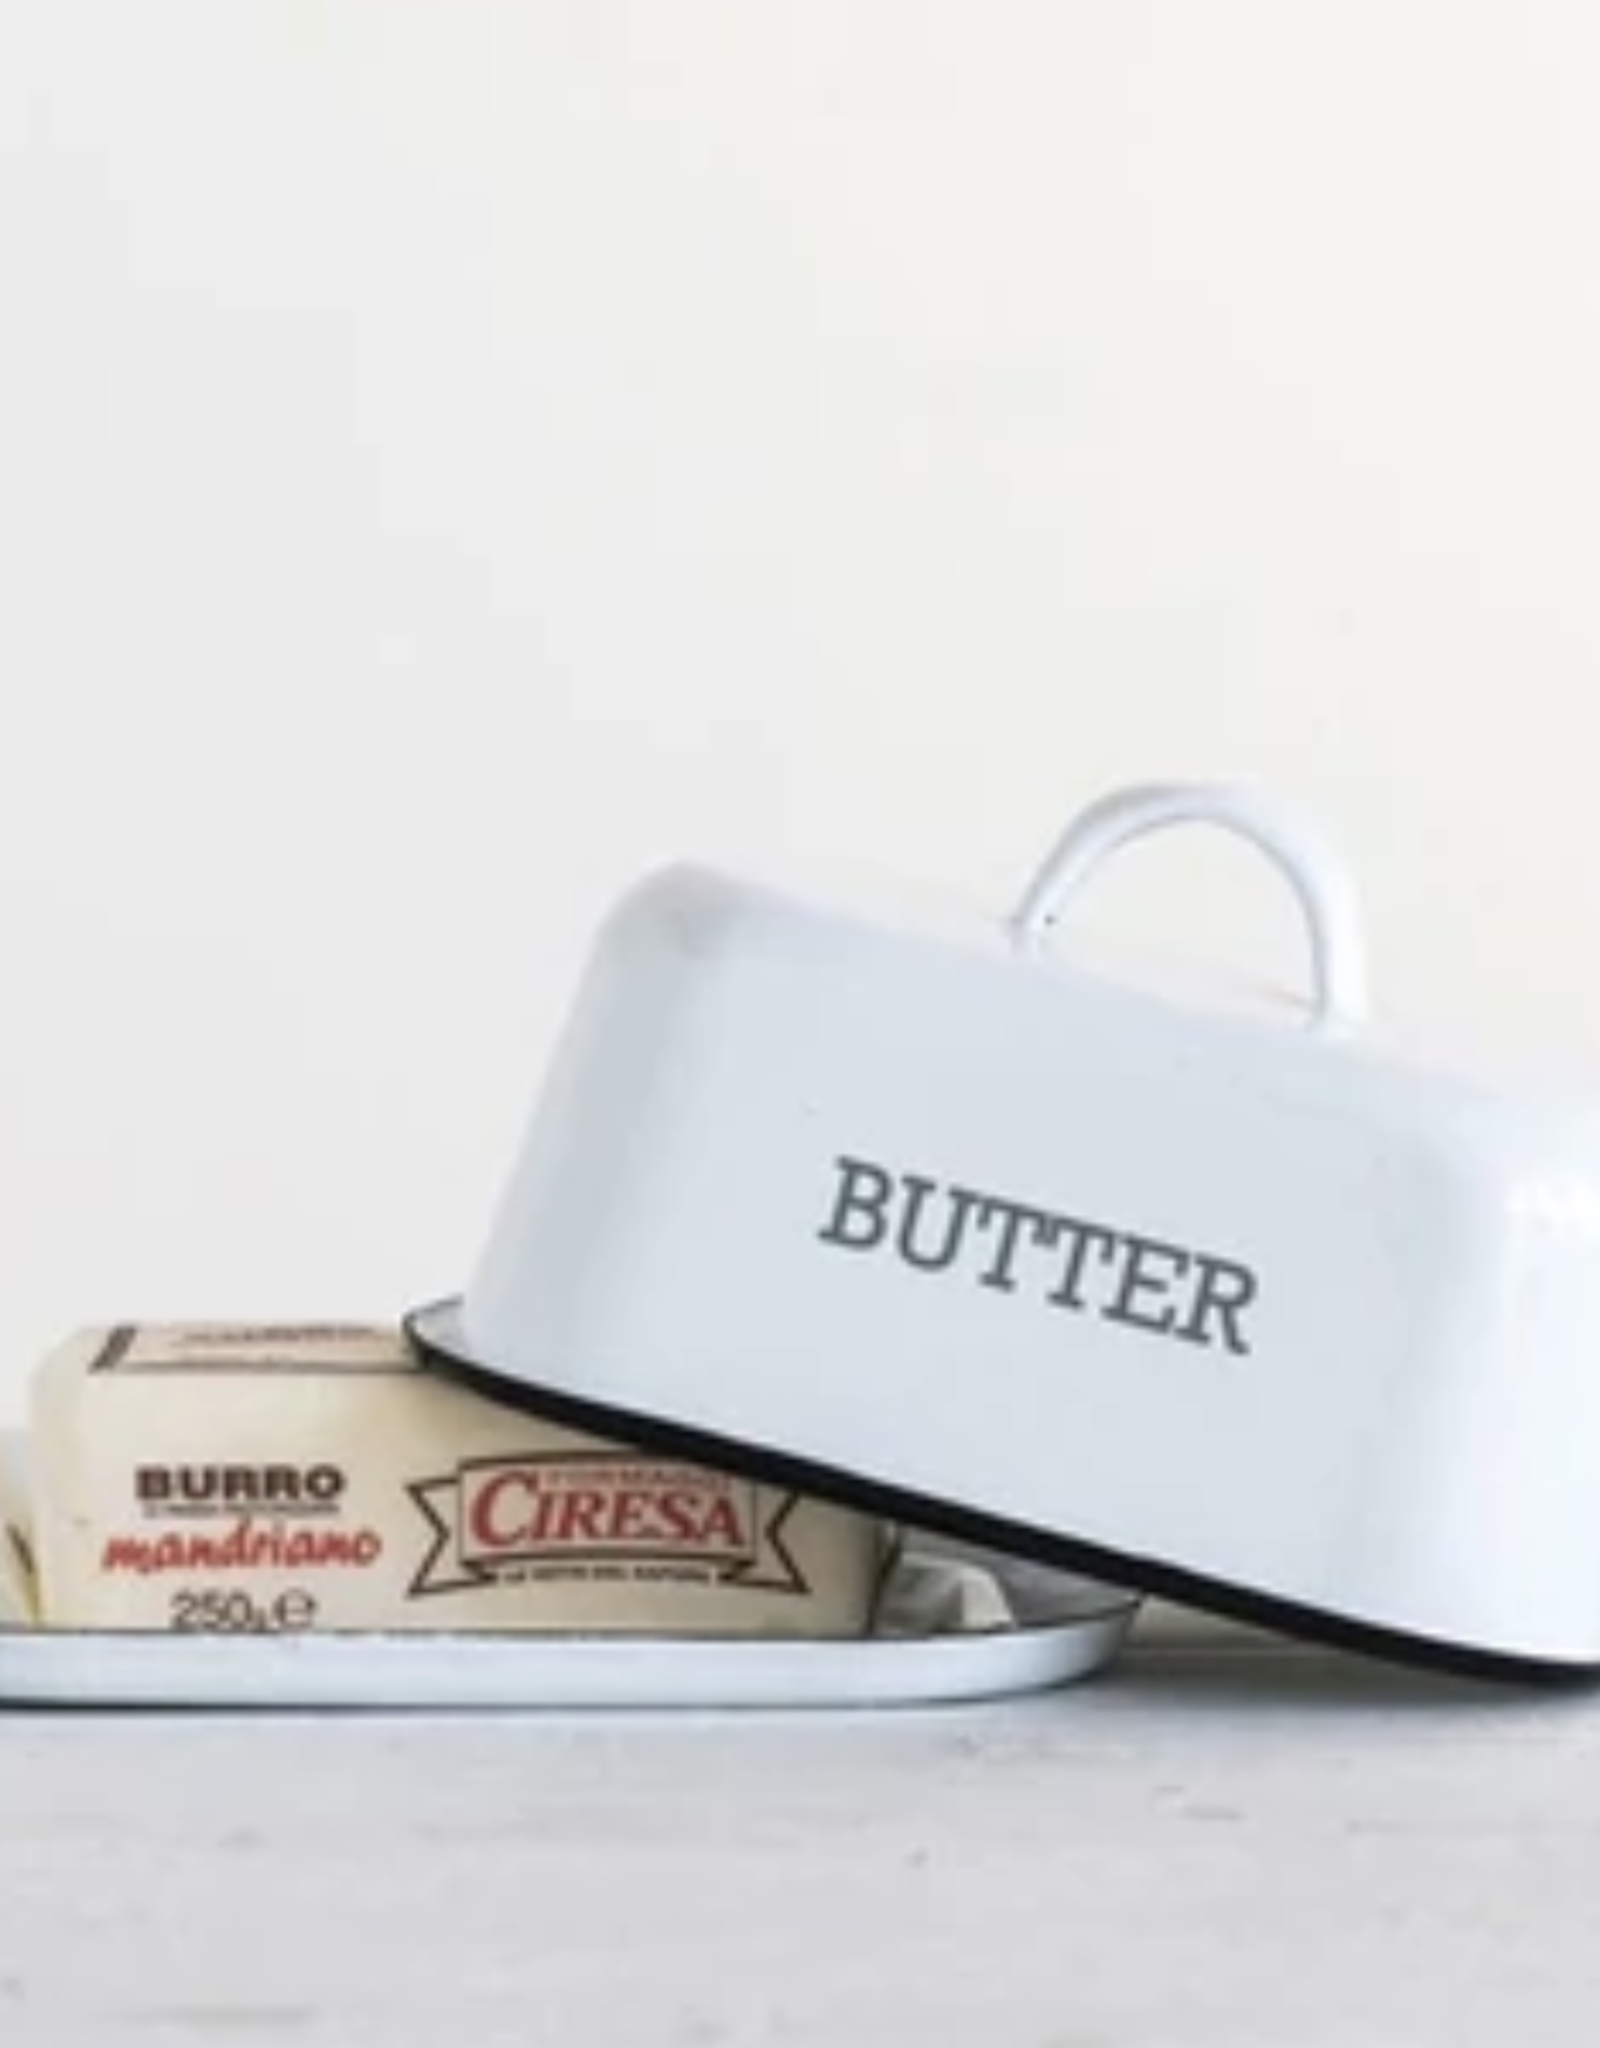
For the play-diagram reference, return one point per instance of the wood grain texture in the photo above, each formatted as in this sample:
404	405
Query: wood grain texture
1225	1843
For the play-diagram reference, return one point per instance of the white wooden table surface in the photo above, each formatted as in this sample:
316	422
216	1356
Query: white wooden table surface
1222	1841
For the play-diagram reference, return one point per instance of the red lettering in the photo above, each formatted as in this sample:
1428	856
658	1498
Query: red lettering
629	1517
722	1525
677	1515
242	1549
583	1512
544	1504
487	1533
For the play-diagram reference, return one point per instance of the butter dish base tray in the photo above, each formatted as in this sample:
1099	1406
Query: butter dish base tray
1059	1630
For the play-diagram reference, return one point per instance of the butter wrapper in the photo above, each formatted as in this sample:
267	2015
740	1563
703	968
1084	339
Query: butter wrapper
277	1478
19	1604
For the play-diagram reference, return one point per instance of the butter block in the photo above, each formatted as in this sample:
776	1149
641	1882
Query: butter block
277	1478
18	1593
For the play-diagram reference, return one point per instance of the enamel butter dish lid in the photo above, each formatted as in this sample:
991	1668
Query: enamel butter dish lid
1237	1308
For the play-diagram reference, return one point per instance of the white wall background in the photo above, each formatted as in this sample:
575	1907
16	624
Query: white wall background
452	455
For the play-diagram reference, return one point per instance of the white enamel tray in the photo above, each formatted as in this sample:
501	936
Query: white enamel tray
1060	1629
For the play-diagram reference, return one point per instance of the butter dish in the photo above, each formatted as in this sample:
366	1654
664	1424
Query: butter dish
284	1478
939	1219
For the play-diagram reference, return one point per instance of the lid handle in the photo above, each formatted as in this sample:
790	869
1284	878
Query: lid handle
1313	871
